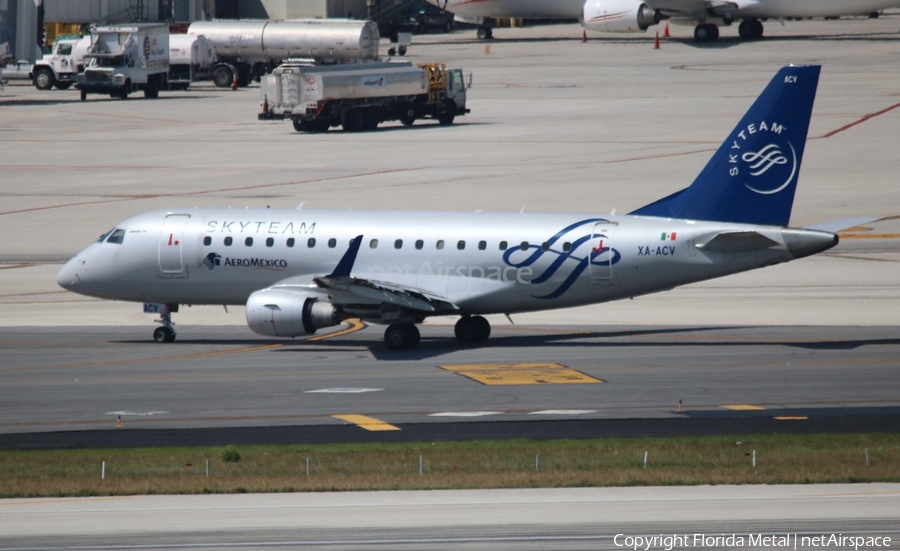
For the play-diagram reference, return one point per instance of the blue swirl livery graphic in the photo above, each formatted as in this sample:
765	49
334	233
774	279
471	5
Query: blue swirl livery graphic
598	256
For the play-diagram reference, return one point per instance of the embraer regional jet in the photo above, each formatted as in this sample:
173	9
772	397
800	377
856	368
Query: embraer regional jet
625	16
301	270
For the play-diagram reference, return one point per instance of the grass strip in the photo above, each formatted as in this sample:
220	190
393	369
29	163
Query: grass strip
781	459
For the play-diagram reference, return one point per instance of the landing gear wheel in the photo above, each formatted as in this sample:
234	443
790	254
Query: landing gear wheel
484	33
750	29
401	336
471	330
164	334
706	32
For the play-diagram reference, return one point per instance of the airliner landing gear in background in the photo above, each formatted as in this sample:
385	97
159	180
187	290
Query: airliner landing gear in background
166	333
472	329
484	33
706	32
401	336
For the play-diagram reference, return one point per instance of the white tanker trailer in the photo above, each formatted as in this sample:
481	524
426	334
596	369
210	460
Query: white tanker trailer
248	49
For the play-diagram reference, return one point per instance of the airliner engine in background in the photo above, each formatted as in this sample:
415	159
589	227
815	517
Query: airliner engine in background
301	270
626	16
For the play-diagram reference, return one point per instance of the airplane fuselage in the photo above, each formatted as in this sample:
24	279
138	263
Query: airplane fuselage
481	262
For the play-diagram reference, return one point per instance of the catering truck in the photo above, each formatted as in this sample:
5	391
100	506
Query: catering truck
125	58
361	96
61	66
191	58
248	49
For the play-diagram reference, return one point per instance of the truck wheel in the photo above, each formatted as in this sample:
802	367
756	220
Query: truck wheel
371	118
151	91
43	79
83	94
448	26
223	77
123	93
447	113
63	85
353	120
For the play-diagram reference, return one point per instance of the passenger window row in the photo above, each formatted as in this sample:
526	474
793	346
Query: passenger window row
398	244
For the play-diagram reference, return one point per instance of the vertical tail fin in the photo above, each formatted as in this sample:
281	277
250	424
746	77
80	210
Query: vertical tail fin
752	178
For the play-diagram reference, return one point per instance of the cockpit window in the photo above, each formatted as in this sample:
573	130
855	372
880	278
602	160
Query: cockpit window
103	237
117	236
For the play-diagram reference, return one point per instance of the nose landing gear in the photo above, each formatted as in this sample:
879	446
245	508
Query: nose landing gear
166	333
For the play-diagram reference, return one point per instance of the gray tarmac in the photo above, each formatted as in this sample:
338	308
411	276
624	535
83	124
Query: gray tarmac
63	378
535	519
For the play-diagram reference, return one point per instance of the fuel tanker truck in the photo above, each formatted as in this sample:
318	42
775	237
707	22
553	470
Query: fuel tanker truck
360	96
248	49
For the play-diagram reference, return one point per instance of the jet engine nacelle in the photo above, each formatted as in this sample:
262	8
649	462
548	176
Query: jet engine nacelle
618	16
284	313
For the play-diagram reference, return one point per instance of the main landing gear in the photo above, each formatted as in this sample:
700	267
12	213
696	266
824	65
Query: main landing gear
472	329
750	29
166	333
405	335
706	32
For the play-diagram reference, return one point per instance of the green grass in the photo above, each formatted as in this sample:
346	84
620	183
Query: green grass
781	459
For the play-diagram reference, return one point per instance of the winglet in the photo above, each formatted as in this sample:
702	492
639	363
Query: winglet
346	264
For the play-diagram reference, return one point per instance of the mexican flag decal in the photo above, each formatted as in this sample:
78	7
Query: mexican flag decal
667	237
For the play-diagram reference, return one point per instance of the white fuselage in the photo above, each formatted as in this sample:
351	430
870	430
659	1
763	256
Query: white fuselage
480	262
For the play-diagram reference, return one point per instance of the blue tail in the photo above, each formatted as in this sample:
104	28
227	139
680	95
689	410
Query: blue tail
752	178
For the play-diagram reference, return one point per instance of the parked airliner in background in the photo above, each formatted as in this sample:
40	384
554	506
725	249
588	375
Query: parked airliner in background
625	16
300	270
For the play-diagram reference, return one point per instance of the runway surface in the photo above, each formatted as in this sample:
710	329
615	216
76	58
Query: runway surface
538	379
537	519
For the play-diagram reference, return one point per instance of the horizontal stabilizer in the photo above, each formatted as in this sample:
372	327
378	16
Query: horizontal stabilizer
838	225
737	242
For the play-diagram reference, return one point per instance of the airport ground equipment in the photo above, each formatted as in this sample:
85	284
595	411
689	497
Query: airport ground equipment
248	49
191	58
125	58
361	96
61	66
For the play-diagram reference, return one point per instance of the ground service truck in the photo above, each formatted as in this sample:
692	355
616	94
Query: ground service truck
125	58
360	96
248	49
61	66
191	58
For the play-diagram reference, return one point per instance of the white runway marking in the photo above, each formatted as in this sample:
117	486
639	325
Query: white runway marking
136	413
464	413
343	390
563	412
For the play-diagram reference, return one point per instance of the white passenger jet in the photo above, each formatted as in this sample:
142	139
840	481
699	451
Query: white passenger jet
301	270
626	16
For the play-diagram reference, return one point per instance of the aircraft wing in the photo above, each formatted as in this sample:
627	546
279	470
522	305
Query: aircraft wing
386	293
345	287
699	8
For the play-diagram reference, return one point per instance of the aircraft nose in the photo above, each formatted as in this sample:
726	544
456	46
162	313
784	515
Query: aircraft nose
67	278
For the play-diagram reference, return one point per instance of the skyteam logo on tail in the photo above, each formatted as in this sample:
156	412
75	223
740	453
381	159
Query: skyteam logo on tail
762	158
564	251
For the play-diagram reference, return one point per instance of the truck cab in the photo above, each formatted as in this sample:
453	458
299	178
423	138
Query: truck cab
60	67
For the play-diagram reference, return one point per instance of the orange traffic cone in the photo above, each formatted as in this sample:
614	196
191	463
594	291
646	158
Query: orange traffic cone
656	41
234	81
265	105
666	31
583	37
